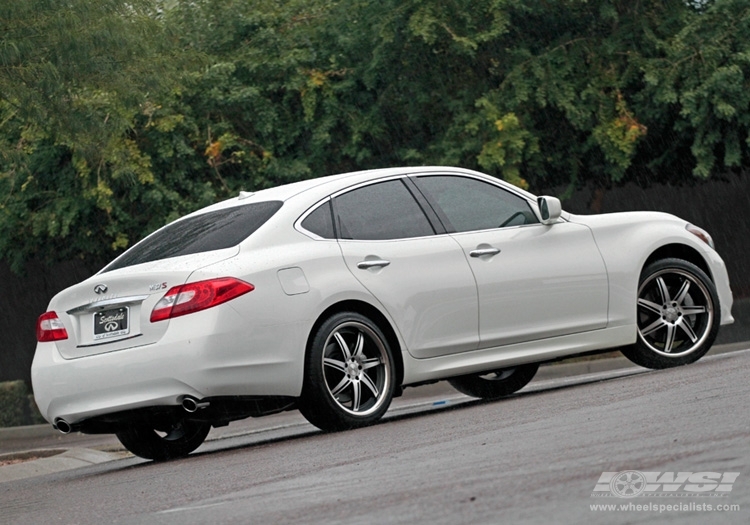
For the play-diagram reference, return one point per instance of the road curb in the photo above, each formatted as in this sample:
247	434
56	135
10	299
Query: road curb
27	432
615	361
67	460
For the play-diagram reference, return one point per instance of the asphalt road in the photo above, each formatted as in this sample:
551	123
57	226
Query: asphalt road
532	458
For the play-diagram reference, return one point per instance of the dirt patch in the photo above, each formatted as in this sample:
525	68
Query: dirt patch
22	457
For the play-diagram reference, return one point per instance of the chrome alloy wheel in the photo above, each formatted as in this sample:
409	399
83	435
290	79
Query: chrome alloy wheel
356	368
675	312
499	375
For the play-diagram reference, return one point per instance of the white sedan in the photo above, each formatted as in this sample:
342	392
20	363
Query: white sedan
331	295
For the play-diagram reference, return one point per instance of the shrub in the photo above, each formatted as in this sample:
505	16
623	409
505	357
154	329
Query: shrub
13	403
33	416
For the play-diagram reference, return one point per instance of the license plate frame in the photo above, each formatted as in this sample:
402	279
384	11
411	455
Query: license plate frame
111	323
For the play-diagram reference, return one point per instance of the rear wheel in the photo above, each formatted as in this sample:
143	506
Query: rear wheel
678	315
495	384
350	374
171	441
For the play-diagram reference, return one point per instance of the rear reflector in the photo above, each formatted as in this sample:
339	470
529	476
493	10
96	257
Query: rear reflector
194	297
50	328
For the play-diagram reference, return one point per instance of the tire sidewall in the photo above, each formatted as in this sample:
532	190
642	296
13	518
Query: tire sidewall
317	403
475	385
143	441
641	353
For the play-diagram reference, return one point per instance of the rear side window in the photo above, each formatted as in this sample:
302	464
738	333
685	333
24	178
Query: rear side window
203	233
320	222
386	210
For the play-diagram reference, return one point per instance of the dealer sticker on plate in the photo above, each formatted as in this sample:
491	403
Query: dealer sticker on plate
111	323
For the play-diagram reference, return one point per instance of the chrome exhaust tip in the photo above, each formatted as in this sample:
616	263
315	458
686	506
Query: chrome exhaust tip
191	405
63	426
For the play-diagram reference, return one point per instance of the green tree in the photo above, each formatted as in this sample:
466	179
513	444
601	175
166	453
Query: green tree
116	117
700	86
72	77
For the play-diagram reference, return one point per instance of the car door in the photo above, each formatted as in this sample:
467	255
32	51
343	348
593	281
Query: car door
534	281
420	278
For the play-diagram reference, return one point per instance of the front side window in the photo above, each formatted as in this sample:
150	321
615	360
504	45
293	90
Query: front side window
206	232
468	204
381	211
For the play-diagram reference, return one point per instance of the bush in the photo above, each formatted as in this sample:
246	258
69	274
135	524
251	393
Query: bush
17	405
13	403
33	416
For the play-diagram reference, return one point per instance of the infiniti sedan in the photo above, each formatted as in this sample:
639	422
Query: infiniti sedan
331	295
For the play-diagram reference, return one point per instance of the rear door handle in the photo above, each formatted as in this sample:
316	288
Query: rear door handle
480	252
372	263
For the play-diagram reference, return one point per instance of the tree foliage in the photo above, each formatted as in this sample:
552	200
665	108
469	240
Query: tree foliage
116	117
72	78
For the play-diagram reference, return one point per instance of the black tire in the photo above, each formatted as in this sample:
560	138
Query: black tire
178	440
349	374
495	384
678	315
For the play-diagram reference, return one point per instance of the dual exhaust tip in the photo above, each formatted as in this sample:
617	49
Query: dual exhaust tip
63	426
189	404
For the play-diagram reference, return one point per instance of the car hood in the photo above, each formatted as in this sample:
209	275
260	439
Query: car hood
622	218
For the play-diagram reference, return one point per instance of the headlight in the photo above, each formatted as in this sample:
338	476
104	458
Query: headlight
701	234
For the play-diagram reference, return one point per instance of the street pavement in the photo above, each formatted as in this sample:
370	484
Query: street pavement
39	449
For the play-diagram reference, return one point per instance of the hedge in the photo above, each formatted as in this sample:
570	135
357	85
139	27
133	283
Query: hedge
17	406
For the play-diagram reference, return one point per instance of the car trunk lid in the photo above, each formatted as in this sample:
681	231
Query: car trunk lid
111	311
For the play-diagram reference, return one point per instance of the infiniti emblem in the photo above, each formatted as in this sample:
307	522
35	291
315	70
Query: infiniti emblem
100	288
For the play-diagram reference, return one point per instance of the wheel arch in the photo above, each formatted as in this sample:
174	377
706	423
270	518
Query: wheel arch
679	251
372	313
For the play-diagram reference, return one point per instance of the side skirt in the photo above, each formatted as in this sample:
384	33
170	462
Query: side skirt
554	348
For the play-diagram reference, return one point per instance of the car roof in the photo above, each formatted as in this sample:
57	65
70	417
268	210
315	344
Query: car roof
319	188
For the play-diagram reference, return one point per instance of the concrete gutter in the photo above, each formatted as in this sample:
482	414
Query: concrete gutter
66	460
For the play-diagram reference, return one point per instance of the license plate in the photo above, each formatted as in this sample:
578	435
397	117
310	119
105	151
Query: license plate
111	323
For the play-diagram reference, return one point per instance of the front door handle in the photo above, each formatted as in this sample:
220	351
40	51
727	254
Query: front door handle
372	263
481	252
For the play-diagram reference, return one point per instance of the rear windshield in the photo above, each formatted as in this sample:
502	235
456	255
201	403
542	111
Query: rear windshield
203	233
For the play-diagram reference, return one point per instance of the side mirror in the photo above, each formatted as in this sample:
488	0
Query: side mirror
549	209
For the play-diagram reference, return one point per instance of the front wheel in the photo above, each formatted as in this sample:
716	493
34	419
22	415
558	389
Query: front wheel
496	384
349	375
171	441
678	315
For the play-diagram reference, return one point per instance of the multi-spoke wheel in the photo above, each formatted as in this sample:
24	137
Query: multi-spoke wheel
168	441
497	384
677	317
349	379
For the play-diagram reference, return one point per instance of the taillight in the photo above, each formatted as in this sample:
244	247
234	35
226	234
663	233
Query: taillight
50	328
193	297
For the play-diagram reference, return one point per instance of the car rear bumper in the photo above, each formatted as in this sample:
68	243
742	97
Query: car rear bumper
257	361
